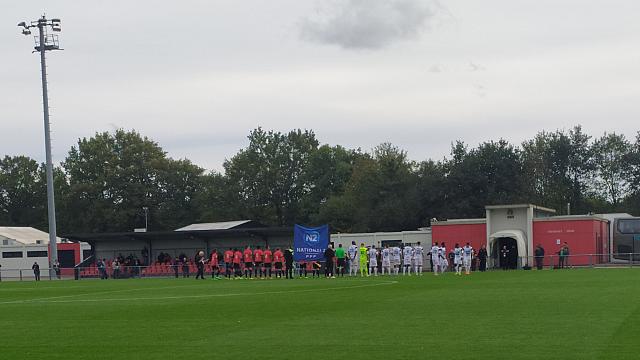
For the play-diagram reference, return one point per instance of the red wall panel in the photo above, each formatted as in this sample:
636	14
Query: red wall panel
475	234
582	236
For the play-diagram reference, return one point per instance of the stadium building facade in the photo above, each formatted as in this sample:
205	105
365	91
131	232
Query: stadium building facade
523	227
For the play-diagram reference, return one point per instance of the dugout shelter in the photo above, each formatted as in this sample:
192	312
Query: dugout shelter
186	240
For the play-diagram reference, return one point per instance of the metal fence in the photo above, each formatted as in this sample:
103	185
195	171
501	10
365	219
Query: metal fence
546	262
556	261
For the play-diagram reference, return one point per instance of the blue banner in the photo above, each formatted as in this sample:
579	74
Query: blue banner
310	243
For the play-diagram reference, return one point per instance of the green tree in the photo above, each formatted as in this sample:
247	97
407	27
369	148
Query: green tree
557	169
611	158
381	194
268	177
489	174
23	197
112	176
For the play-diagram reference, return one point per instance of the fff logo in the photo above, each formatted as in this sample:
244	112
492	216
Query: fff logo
312	237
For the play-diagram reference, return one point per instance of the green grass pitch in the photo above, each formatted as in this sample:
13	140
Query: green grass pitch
570	314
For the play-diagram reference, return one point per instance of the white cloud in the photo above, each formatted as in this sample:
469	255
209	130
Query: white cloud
367	24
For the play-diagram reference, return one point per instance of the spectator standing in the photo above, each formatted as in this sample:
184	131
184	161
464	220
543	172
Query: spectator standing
200	261
102	269
185	267
539	254
482	256
115	266
56	268
561	258
176	267
36	270
504	258
566	254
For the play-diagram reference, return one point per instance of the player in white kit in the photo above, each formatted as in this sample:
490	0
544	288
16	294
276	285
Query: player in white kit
386	260
396	254
373	261
442	255
467	254
407	256
418	258
352	253
435	258
457	259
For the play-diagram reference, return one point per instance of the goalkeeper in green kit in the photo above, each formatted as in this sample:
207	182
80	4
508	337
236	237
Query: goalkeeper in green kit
341	257
364	261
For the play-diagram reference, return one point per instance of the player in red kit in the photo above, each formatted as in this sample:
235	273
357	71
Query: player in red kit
248	262
228	263
278	258
257	261
237	260
267	256
215	265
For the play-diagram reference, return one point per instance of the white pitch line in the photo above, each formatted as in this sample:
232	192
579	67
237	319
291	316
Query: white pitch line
93	293
45	300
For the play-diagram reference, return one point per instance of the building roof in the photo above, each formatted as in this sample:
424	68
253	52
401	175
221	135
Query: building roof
570	217
181	235
459	222
25	235
516	206
225	225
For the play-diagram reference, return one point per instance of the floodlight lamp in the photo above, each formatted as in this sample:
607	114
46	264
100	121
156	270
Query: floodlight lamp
26	32
23	24
55	25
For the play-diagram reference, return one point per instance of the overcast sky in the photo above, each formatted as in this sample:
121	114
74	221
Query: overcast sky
197	76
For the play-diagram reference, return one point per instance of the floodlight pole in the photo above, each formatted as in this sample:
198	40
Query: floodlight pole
51	204
47	43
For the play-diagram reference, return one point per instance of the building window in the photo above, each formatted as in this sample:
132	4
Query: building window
37	253
11	254
39	242
629	226
5	242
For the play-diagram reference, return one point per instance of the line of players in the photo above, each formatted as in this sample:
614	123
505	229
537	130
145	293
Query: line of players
362	259
365	259
249	262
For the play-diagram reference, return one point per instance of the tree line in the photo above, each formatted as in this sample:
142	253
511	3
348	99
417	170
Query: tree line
286	178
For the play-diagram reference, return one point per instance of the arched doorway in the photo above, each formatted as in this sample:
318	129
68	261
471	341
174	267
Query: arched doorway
511	261
516	243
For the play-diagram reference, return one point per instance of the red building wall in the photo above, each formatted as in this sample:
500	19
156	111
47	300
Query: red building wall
584	236
475	234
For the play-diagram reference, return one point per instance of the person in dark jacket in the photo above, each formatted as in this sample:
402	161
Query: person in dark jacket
200	261
176	267
329	254
539	255
288	260
36	270
56	269
482	256
504	258
185	267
